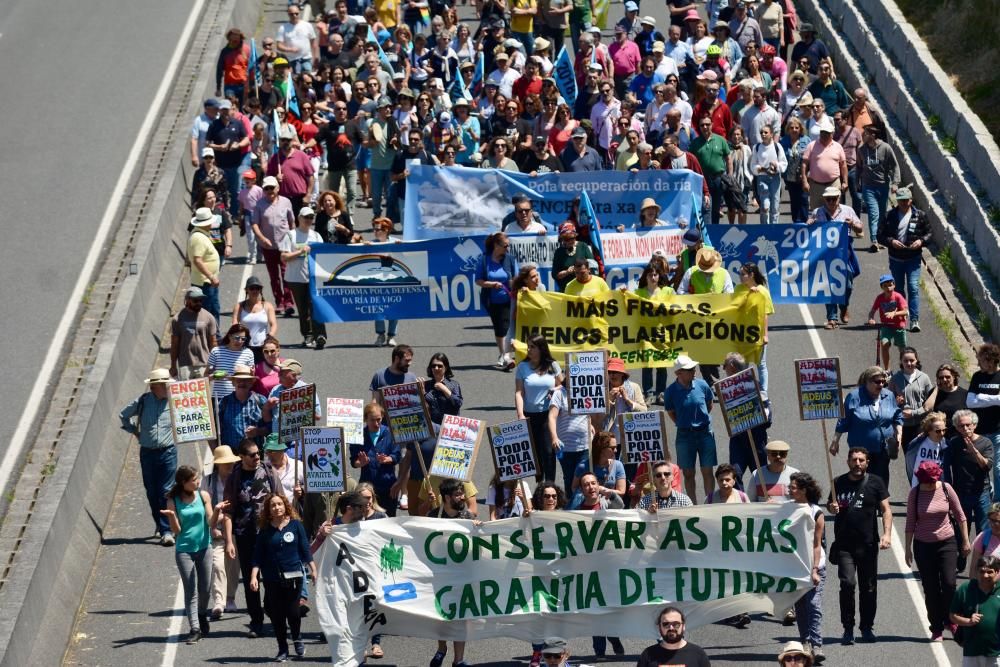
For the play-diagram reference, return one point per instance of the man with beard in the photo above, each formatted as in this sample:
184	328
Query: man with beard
397	372
672	649
540	160
192	336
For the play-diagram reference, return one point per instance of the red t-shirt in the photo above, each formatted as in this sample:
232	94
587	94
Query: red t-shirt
886	304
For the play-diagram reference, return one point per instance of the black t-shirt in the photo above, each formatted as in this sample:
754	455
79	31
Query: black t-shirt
531	163
513	131
949	403
986	383
966	475
401	162
342	143
859	500
221	133
328	230
689	655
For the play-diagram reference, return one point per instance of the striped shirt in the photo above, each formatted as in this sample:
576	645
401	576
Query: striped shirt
675	499
223	359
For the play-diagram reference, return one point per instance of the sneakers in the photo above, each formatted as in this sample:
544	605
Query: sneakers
438	659
502	361
231	606
818	656
742	621
868	637
320	342
380	340
848	638
404	502
300	648
290	312
281	657
937	636
789	618
536	659
391	342
915	327
216	613
194	637
308	341
167	539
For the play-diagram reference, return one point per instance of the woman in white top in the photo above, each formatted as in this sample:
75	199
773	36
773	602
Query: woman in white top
790	98
462	44
294	247
257	315
507	499
768	164
809	608
741	172
380	230
700	41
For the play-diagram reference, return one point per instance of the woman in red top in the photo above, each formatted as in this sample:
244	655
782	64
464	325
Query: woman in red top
267	370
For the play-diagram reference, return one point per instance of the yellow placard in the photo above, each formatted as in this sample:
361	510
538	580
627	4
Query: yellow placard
644	333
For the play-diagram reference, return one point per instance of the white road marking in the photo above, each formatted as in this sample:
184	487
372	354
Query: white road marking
910	580
36	398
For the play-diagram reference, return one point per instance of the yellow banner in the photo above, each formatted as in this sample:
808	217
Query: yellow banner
644	333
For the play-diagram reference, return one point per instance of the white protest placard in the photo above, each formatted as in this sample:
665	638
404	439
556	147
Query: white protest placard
818	382
513	450
297	409
407	413
323	452
644	436
457	446
348	414
587	382
739	396
191	411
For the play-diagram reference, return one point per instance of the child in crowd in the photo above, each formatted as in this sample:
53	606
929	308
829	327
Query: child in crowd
892	310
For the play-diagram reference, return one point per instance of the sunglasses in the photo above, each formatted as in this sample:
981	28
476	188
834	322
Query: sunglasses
778	455
253	455
663	475
552	496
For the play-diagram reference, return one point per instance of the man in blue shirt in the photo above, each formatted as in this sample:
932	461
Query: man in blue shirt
240	413
688	402
157	453
578	156
642	83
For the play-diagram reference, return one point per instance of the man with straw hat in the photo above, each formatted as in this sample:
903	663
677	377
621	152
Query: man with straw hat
204	260
157	452
705	277
241	412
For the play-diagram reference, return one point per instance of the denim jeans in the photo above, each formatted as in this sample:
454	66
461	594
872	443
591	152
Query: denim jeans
568	463
575	30
380	327
906	273
527	39
876	201
852	187
233	182
211	302
158	469
715	190
809	613
833	308
769	197
762	369
380	189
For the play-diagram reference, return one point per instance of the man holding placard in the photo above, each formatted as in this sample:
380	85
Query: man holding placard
157	452
688	401
289	377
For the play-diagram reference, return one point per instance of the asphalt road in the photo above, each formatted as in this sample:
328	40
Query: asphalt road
131	613
78	80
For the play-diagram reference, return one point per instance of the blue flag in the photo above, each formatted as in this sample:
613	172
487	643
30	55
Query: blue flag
381	54
277	128
479	74
252	72
292	103
565	77
458	89
589	219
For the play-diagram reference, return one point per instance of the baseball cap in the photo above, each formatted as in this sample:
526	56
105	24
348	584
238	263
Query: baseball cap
307	212
903	193
290	365
886	278
692	237
207	152
578	132
194	293
269	182
225	104
631	6
250	173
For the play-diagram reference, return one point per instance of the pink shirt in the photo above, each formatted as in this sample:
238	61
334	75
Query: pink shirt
824	161
296	169
249	197
927	517
273	219
625	57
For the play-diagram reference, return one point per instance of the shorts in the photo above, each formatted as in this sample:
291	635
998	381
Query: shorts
364	158
892	335
693	446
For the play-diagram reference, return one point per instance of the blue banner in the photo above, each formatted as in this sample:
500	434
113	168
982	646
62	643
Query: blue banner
436	278
444	202
802	263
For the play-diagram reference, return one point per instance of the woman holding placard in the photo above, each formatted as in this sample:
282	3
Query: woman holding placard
507	499
570	433
534	381
377	457
527	280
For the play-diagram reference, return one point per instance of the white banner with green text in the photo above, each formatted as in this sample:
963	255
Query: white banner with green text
571	574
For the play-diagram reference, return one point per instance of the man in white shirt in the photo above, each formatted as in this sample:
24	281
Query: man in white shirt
200	128
504	75
297	41
664	66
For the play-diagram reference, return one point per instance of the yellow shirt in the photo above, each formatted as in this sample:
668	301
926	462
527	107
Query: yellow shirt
768	303
200	246
386	12
520	22
595	285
